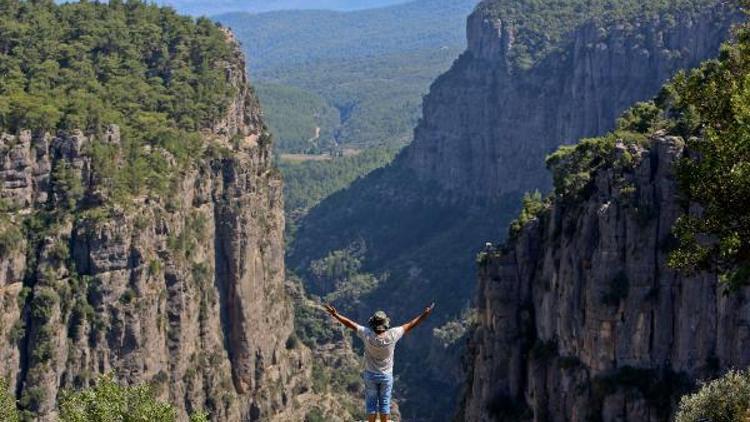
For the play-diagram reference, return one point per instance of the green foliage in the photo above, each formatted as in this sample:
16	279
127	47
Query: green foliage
452	332
199	416
11	237
533	205
315	415
541	26
43	303
644	117
713	103
8	411
337	266
307	183
67	185
108	401
18	331
574	166
726	399
293	115
312	327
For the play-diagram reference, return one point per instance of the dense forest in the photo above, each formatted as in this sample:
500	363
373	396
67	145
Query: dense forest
307	183
301	121
372	67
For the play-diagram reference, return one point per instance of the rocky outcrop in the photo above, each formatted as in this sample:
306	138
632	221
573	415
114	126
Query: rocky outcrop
580	318
185	291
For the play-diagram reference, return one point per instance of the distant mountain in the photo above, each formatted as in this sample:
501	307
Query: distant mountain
283	39
209	8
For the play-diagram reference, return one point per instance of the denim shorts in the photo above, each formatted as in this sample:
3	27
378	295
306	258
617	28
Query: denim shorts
378	388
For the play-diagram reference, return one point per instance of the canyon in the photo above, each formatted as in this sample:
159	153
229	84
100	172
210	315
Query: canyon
487	125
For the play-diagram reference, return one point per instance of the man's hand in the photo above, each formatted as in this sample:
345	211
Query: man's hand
418	320
331	310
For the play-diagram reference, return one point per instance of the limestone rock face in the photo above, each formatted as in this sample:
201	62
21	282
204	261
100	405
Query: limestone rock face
488	125
581	318
186	292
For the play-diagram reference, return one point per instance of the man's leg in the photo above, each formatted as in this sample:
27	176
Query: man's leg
371	399
384	406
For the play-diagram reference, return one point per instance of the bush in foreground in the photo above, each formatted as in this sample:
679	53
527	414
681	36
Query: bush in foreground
726	399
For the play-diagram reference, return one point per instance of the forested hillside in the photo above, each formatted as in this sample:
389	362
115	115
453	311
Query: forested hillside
371	66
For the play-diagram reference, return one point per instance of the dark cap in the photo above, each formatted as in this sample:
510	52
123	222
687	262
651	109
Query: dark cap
379	321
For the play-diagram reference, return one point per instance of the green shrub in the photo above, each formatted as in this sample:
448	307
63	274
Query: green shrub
315	415
43	303
533	205
726	399
11	236
128	296
18	331
108	401
8	411
574	166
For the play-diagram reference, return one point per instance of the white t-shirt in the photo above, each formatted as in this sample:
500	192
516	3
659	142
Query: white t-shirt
379	349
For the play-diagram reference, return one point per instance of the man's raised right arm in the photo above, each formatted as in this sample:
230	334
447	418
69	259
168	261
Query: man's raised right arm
418	320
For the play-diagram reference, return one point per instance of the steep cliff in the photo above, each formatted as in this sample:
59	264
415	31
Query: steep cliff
487	125
618	293
183	288
580	317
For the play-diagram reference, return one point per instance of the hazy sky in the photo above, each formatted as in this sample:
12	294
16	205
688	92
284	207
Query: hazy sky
215	7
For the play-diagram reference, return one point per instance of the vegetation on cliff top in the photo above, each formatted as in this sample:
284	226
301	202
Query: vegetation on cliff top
542	26
84	66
